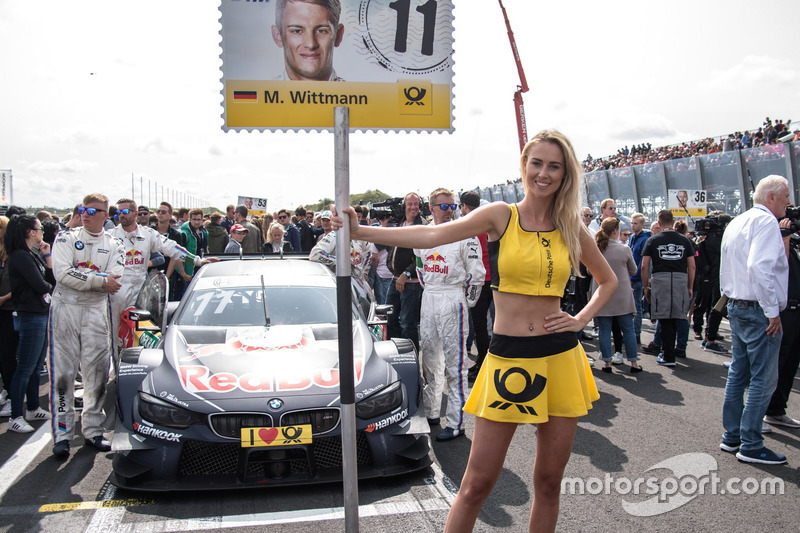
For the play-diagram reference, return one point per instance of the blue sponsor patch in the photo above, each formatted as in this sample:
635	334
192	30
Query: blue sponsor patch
79	245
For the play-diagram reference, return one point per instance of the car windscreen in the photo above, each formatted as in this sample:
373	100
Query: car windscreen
244	306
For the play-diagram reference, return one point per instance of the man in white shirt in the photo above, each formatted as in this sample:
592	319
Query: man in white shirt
608	209
754	275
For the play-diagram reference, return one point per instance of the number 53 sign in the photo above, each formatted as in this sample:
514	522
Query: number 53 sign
287	63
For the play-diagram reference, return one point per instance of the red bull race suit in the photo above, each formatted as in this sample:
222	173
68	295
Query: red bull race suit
360	252
452	276
80	327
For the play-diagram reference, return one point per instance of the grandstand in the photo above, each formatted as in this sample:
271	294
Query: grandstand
638	178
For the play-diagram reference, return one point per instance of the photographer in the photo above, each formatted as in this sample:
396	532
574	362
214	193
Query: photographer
708	258
405	293
789	354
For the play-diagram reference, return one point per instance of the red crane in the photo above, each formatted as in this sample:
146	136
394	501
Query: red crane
519	107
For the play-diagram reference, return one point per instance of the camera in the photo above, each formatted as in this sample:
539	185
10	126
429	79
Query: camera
793	214
395	209
712	224
389	208
379	214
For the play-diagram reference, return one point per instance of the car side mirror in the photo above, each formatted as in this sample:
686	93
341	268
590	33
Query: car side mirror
384	309
140	315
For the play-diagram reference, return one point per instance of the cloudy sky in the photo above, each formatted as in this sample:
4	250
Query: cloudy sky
96	91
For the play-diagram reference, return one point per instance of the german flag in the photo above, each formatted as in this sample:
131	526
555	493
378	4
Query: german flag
249	97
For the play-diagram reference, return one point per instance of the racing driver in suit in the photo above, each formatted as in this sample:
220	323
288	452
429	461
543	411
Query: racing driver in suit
87	264
360	252
138	242
452	276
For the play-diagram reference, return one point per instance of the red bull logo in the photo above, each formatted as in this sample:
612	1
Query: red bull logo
134	257
436	263
89	265
355	258
200	379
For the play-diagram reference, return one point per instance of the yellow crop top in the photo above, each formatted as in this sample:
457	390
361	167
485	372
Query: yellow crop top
535	263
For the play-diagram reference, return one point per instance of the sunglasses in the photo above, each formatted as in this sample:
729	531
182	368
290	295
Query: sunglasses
282	216
92	211
445	207
123	211
163	212
587	215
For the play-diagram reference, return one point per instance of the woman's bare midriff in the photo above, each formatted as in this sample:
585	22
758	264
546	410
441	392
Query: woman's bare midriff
516	313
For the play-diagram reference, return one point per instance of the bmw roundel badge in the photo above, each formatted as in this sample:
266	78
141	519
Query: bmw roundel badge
275	404
79	245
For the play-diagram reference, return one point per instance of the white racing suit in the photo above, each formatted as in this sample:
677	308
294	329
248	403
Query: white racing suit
80	327
138	245
452	276
360	252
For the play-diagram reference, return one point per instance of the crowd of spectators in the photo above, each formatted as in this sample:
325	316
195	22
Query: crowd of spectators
769	133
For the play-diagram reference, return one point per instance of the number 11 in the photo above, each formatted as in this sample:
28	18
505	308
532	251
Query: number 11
428	10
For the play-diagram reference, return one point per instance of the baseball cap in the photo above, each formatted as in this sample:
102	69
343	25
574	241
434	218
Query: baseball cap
239	228
143	209
470	198
326	214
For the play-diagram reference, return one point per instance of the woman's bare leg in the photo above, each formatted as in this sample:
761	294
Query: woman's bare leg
486	457
553	449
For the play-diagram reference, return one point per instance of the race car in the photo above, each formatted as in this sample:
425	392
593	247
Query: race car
241	388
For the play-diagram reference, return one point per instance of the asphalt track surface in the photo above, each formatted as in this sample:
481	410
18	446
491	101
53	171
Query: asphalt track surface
658	430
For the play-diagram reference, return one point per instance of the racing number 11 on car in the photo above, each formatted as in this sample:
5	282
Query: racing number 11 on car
281	436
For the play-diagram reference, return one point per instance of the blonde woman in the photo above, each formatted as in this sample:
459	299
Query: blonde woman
275	242
536	371
264	224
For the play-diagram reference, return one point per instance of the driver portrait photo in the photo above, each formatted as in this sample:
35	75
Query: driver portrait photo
308	31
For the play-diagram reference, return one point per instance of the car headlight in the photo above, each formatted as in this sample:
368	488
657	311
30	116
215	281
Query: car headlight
165	414
381	402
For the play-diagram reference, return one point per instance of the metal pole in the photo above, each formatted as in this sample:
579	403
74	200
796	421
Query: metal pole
344	301
132	186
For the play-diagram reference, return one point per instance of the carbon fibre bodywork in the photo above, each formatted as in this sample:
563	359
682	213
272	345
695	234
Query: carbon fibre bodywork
248	362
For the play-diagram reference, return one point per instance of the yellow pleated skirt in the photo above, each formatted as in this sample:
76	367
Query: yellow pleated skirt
526	380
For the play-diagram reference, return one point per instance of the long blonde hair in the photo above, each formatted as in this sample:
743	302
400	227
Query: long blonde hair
565	212
273	226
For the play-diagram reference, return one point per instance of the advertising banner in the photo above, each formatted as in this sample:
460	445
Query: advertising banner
5	187
684	202
255	206
287	63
